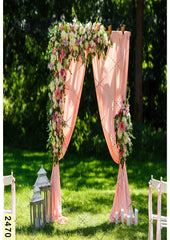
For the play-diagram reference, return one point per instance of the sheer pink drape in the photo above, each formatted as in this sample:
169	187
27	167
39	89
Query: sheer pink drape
122	198
110	76
73	89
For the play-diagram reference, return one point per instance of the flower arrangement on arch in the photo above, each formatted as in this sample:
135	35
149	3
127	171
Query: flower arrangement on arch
66	42
123	128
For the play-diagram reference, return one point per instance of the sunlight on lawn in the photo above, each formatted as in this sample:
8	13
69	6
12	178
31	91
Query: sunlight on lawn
87	191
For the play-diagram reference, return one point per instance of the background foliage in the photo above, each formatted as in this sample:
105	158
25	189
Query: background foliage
26	24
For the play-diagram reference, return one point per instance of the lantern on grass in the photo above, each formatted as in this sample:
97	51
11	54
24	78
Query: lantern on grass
45	186
37	209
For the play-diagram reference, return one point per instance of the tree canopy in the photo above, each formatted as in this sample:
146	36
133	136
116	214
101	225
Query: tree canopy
25	75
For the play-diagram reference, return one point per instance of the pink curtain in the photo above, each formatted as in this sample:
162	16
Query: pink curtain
73	89
122	198
110	76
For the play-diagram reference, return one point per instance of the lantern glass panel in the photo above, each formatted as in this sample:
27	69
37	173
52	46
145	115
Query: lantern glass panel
41	215
36	211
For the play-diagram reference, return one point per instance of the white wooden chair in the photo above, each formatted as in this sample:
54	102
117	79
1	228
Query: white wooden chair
10	180
161	187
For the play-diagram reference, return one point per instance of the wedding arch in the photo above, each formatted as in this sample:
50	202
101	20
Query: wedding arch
71	46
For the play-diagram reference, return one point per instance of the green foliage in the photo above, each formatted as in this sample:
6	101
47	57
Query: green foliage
26	75
82	131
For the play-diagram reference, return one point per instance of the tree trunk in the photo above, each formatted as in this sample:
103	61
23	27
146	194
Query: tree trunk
138	62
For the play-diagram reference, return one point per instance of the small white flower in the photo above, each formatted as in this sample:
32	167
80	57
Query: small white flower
71	36
105	38
72	41
59	66
64	35
119	133
81	30
53	58
125	138
52	86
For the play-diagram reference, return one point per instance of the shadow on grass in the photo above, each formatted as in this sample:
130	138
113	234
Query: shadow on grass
78	225
77	171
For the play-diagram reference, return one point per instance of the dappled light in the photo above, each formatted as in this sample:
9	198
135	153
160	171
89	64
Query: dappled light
87	190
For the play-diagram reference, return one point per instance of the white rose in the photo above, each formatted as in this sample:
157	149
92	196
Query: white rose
119	134
71	36
105	37
72	41
59	66
81	30
125	138
52	86
53	58
64	35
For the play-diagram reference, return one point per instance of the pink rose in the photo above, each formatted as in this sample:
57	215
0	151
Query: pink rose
63	72
119	113
51	66
56	116
121	126
58	126
75	28
93	30
54	50
60	26
56	74
98	26
57	94
95	39
62	55
60	59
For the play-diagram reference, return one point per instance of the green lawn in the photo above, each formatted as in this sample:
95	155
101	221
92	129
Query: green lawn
87	190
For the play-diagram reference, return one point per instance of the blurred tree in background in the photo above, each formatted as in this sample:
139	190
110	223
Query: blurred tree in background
26	24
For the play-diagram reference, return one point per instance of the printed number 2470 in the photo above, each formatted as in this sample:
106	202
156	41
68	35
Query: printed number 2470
7	225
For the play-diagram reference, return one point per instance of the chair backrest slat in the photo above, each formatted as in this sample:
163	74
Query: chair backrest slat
8	180
155	183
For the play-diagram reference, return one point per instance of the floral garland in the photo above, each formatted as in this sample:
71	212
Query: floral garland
123	128
66	42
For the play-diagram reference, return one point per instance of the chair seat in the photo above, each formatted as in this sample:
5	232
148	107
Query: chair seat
7	211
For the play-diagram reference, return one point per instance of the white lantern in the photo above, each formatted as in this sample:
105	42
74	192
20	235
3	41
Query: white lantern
45	186
37	209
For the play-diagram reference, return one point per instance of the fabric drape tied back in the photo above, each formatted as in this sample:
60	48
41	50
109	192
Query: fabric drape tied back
73	89
110	77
